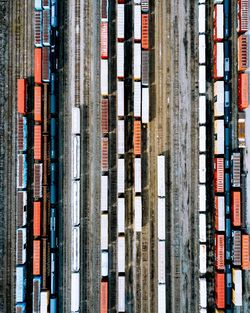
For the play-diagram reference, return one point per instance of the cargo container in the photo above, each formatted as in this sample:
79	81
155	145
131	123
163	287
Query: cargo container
218	61
54	13
227	193
245	252
36	295
137	99
137	61
36	257
219	98
120	137
53	183
161	175
21	308
161	298
121	254
20	283
53	273
38	66
145	5
202	198
241	130
145	68
219	175
145	31
104	77
105	116
104	232
21	241
37	142
242	25
161	215
235	173
120	60
242	53
53	229
227	57
242	91
202	49
202	18
53	305
21	96
202	110
227	147
218	22
137	177
202	138
38	5
36	219
104	297
137	22
137	138
105	154
219	213
237	287
202	79
145	105
76	157
44	262
45	64
75	249
137	1
121	215
121	293
38	174
121	176
228	285
44	304
220	251
38	104
236	247
38	28
220	290
236	208
53	138
203	292
203	259
75	121
161	262
202	168
104	263
75	292
46	27
120	22
228	239
219	137
202	228
227	106
104	193
120	98
138	214
21	208
104	40
22	133
21	171
104	5
227	18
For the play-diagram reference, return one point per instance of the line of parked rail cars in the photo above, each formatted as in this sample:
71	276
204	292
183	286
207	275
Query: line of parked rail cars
231	242
202	159
104	156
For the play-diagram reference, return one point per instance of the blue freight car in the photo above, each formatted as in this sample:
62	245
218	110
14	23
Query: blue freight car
227	61
20	283
53	94
38	5
228	284
227	147
25	133
54	20
53	229
53	305
53	139
22	171
227	105
21	308
53	273
53	183
228	239
227	193
227	4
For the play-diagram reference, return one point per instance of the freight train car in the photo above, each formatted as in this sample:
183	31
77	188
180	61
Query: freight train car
242	53
46	27
21	208
54	13
21	242
38	29
241	130
242	25
20	283
237	287
220	290
227	18
21	308
36	295
38	66
242	91
104	297
236	247
53	228
22	133
21	96
22	171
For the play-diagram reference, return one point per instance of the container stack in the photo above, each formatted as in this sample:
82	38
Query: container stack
161	231
21	215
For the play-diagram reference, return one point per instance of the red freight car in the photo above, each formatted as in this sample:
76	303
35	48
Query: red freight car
36	257
236	247
236	208
105	154
105	116
38	104
38	29
21	96
242	91
144	35
137	137
220	251
242	26
242	53
104	40
104	9
245	252
38	174
104	297
37	219
38	66
220	290
37	142
21	133
219	175
45	64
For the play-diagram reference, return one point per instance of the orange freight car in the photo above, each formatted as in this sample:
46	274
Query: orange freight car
36	257
220	290
242	53
37	219
219	175
37	142
105	116
220	251
104	297
38	104
137	137
105	154
21	96
245	252
38	66
236	208
242	91
144	36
